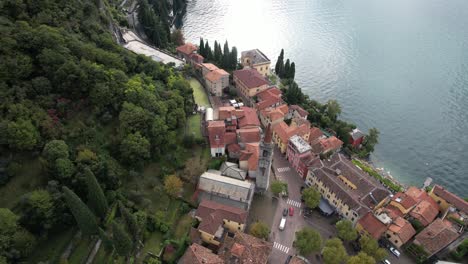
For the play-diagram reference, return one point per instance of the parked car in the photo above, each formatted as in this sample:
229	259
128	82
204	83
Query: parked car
395	252
385	261
285	211
282	223
288	259
291	211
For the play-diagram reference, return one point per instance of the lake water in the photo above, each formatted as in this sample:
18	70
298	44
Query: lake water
399	65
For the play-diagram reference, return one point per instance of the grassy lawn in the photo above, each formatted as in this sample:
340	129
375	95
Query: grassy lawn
81	251
199	93
53	247
153	244
193	126
28	178
183	227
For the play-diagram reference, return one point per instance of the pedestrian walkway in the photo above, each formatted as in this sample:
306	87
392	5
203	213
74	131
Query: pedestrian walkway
284	169
294	203
280	247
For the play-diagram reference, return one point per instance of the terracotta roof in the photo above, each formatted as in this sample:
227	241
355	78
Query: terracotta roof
268	98
251	78
244	248
372	225
451	198
230	138
402	228
436	236
282	130
196	57
272	113
283	108
393	212
331	143
210	66
225	112
425	212
251	153
404	200
216	132
268	135
315	134
303	113
213	214
233	148
216	75
187	48
416	193
250	117
197	254
248	135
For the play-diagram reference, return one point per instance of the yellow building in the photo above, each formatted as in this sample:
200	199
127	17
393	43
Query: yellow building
346	188
282	133
446	200
215	219
403	202
257	60
249	82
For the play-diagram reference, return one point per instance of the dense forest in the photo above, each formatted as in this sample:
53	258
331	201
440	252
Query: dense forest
83	115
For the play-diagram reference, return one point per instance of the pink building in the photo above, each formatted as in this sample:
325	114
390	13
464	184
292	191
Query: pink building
299	153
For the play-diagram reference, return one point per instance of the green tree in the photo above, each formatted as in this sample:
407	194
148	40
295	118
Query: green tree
135	148
279	63
292	71
208	51
106	241
38	211
333	109
201	48
122	242
307	241
8	227
96	198
334	252
260	229
233	58
55	149
64	168
311	197
134	118
24	242
277	187
346	230
172	185
361	258
84	217
131	222
287	68
177	37
226	56
371	140
22	135
371	248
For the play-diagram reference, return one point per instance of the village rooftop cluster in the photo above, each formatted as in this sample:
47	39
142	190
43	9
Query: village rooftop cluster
247	131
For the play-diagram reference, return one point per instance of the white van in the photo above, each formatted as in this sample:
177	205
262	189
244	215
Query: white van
282	223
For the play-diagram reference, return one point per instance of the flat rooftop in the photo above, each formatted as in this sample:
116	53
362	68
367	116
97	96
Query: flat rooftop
300	144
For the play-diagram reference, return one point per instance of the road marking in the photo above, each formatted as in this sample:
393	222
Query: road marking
294	203
280	247
283	169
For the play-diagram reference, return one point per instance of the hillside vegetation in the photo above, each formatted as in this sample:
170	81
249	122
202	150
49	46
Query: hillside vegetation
79	113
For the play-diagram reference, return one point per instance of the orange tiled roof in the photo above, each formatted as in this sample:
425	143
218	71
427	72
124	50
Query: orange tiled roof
436	236
216	132
187	48
268	98
248	135
210	66
405	200
251	153
425	212
256	251
216	75
372	225
251	78
250	117
451	198
213	214
303	113
331	143
403	229
315	134
197	254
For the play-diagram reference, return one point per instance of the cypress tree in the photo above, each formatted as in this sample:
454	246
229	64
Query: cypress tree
201	48
106	241
217	52
96	198
226	56
292	71
130	221
279	63
122	242
209	52
233	59
84	217
287	66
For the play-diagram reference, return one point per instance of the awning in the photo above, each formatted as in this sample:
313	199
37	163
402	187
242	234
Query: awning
325	207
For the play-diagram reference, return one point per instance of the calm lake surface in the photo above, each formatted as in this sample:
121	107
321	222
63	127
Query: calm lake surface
399	65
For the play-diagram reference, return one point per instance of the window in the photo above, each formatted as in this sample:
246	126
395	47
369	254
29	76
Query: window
396	241
346	213
352	219
238	227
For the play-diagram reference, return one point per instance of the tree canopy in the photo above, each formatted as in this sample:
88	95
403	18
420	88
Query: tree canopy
277	187
173	185
346	230
361	258
260	229
334	252
371	248
311	197
307	241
